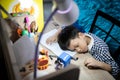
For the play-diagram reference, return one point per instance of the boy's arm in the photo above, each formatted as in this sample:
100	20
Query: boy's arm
54	37
92	63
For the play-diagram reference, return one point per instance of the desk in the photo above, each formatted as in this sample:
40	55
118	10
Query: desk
88	74
85	73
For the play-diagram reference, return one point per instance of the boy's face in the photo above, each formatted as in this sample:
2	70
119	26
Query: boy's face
79	44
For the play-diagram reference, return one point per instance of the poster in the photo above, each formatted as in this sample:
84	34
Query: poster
34	7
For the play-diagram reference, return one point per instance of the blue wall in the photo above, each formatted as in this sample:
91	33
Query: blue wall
88	9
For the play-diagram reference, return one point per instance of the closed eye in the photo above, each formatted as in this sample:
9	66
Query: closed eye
72	50
76	46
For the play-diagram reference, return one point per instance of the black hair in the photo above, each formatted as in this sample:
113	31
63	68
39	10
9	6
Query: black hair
68	33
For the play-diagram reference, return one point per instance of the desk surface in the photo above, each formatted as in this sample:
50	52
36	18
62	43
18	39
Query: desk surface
89	74
85	73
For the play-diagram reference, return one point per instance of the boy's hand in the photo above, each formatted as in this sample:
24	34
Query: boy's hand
51	39
91	63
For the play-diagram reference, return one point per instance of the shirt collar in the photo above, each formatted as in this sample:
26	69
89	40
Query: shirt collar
91	41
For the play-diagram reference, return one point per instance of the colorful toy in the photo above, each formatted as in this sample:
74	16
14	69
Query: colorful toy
20	14
43	59
26	21
19	32
33	27
25	32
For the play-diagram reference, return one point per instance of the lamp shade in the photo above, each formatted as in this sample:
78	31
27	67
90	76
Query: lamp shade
67	13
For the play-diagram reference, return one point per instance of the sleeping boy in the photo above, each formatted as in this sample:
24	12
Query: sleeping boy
71	38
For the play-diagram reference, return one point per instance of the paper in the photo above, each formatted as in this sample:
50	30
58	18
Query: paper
54	47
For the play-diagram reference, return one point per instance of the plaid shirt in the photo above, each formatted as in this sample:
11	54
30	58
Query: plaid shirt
100	51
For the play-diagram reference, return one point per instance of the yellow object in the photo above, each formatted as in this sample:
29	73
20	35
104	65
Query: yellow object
43	62
43	59
36	9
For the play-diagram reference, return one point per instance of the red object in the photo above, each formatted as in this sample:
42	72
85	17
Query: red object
43	61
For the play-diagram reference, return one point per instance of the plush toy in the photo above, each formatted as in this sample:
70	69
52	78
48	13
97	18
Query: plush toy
43	59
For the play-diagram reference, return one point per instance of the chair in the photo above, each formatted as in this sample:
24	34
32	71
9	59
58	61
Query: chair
108	28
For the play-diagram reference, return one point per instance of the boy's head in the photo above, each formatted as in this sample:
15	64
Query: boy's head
72	39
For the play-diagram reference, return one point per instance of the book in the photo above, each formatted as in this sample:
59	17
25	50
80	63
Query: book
54	47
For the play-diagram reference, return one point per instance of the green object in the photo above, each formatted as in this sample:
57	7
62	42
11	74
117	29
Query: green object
24	32
14	14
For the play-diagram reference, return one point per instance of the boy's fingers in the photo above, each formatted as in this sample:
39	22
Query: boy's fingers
86	63
51	41
90	67
47	41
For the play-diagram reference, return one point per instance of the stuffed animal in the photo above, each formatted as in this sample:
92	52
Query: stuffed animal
43	59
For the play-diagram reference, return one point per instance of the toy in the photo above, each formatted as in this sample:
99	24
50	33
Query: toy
20	14
28	68
33	27
25	32
26	21
19	32
43	59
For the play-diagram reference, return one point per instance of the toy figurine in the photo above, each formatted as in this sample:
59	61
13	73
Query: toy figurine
22	32
19	32
33	27
25	32
43	59
26	21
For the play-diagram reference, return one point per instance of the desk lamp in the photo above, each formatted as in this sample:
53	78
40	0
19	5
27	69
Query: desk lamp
65	13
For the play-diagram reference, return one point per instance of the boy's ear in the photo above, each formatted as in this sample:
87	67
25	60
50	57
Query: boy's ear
80	34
